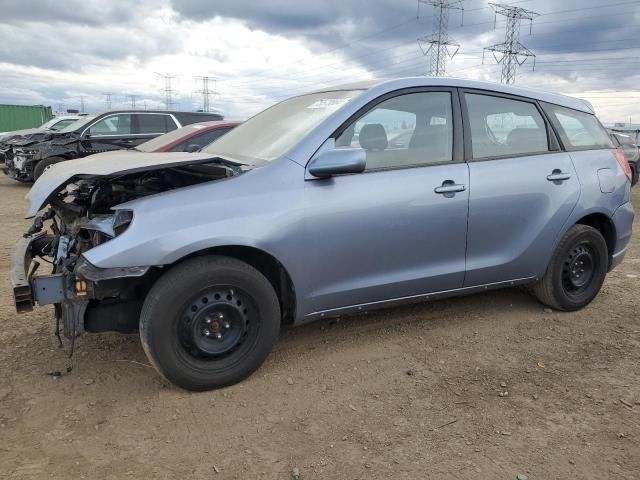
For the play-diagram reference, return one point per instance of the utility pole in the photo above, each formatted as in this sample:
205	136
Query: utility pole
439	44
108	100
511	53
132	99
168	91
82	97
206	93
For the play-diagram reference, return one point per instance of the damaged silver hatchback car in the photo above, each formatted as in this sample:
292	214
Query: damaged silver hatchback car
338	201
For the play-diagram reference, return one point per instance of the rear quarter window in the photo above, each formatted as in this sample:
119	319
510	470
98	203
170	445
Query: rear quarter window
578	130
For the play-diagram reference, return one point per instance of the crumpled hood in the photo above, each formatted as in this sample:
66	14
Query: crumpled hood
21	133
107	164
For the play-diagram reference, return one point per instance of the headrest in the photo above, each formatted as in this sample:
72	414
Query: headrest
528	139
373	137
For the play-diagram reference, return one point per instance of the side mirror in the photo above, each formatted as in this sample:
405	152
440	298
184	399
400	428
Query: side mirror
192	148
338	162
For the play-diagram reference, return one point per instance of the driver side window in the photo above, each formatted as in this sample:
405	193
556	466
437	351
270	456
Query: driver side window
112	125
408	130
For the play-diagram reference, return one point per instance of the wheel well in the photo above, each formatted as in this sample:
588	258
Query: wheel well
604	225
266	264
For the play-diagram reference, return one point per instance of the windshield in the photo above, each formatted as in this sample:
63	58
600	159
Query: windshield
60	124
78	124
164	140
273	132
49	124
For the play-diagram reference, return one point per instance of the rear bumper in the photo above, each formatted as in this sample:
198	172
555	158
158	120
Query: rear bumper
623	222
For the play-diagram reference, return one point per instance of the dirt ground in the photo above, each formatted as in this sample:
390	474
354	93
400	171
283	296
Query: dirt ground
415	392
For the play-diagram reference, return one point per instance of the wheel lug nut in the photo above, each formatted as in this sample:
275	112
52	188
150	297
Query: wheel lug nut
218	336
221	315
207	320
206	333
226	324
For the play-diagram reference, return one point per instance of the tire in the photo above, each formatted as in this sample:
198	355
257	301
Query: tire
576	271
42	165
210	295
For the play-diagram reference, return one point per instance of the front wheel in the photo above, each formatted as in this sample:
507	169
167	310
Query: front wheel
209	322
42	165
576	271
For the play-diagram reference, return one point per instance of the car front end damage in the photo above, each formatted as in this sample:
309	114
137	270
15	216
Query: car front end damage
83	213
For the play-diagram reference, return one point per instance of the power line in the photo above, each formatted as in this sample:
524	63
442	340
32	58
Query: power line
168	91
132	99
206	92
439	45
512	52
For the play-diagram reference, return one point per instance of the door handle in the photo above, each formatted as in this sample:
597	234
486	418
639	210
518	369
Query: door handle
558	176
449	187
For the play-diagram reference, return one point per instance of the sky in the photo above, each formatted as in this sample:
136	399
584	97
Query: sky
55	52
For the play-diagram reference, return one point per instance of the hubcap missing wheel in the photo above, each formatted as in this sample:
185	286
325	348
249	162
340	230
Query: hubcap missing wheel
215	323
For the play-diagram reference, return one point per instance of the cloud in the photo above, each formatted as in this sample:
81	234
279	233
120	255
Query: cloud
261	52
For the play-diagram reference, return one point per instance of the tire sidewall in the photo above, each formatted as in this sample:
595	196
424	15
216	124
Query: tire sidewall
595	241
40	167
164	309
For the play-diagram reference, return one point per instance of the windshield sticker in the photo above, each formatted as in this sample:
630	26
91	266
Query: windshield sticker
329	103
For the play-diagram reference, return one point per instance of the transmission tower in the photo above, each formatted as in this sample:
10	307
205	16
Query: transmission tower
82	97
168	91
439	44
132	99
206	92
107	100
511	53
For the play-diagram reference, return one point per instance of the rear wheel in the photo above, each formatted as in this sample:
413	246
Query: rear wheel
209	322
42	165
576	271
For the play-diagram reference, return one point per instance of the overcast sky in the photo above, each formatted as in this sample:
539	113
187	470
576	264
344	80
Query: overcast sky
53	52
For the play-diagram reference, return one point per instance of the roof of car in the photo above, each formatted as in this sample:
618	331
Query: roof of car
386	84
138	110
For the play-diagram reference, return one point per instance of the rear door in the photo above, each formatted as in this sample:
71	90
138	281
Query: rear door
150	125
523	187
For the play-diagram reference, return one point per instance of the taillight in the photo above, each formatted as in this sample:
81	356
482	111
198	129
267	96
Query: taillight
623	163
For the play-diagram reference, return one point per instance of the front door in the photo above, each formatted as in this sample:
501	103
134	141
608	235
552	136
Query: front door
398	229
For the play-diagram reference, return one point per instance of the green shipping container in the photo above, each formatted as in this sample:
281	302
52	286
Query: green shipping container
18	117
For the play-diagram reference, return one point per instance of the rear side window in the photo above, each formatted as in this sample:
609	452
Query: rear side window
155	123
578	130
502	127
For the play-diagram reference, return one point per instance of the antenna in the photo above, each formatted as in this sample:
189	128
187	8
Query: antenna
439	44
511	53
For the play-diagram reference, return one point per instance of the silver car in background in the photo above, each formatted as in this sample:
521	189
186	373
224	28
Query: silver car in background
305	211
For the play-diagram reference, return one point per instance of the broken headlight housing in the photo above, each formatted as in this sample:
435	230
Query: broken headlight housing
121	221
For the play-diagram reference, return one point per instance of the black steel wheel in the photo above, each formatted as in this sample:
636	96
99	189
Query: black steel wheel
216	322
576	271
209	322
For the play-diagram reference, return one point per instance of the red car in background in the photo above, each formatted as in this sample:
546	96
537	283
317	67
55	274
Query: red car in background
188	139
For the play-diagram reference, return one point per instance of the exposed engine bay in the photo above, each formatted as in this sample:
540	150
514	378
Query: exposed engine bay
80	216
